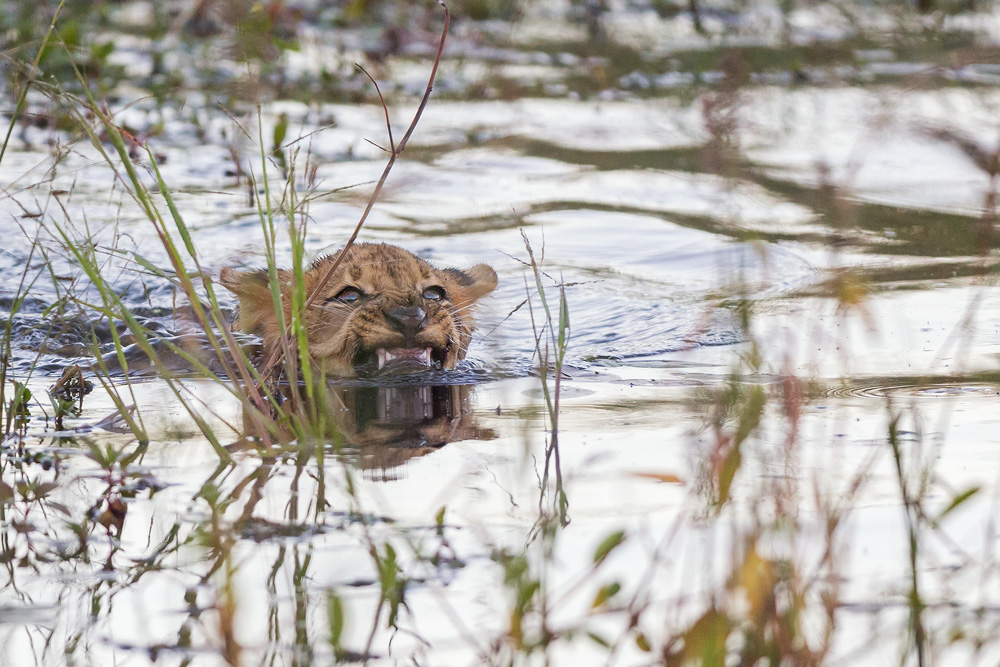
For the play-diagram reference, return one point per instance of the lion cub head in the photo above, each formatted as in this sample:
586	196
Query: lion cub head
383	309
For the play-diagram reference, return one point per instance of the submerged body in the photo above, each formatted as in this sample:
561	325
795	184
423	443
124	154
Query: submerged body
383	308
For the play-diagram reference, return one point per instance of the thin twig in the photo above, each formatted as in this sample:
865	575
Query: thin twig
388	125
317	289
381	148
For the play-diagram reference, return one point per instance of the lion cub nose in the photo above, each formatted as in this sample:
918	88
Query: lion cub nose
408	320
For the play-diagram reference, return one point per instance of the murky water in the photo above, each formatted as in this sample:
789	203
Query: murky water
831	185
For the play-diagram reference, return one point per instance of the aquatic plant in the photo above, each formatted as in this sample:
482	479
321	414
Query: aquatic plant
277	522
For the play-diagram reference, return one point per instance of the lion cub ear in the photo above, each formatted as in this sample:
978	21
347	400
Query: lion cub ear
251	285
256	312
474	282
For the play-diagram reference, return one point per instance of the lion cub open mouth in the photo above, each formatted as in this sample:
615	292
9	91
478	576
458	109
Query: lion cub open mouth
384	310
403	355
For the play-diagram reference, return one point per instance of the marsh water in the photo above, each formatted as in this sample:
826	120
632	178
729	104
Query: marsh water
780	200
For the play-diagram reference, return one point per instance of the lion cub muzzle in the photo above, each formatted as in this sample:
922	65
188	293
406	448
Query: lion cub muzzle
409	321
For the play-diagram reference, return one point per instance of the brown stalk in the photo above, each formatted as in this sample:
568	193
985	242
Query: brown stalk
394	153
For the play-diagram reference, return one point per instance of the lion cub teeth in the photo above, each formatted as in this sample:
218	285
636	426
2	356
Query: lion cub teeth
404	354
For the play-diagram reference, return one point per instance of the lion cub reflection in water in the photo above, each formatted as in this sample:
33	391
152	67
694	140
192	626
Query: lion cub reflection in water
383	309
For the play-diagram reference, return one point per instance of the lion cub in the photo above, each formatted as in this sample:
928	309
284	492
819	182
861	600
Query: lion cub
384	309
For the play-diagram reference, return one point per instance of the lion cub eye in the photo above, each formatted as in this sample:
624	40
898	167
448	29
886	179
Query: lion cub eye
435	293
348	295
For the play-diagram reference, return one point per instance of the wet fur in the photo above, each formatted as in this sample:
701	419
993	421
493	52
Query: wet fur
339	333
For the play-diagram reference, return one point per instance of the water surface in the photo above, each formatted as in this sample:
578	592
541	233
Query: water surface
819	195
